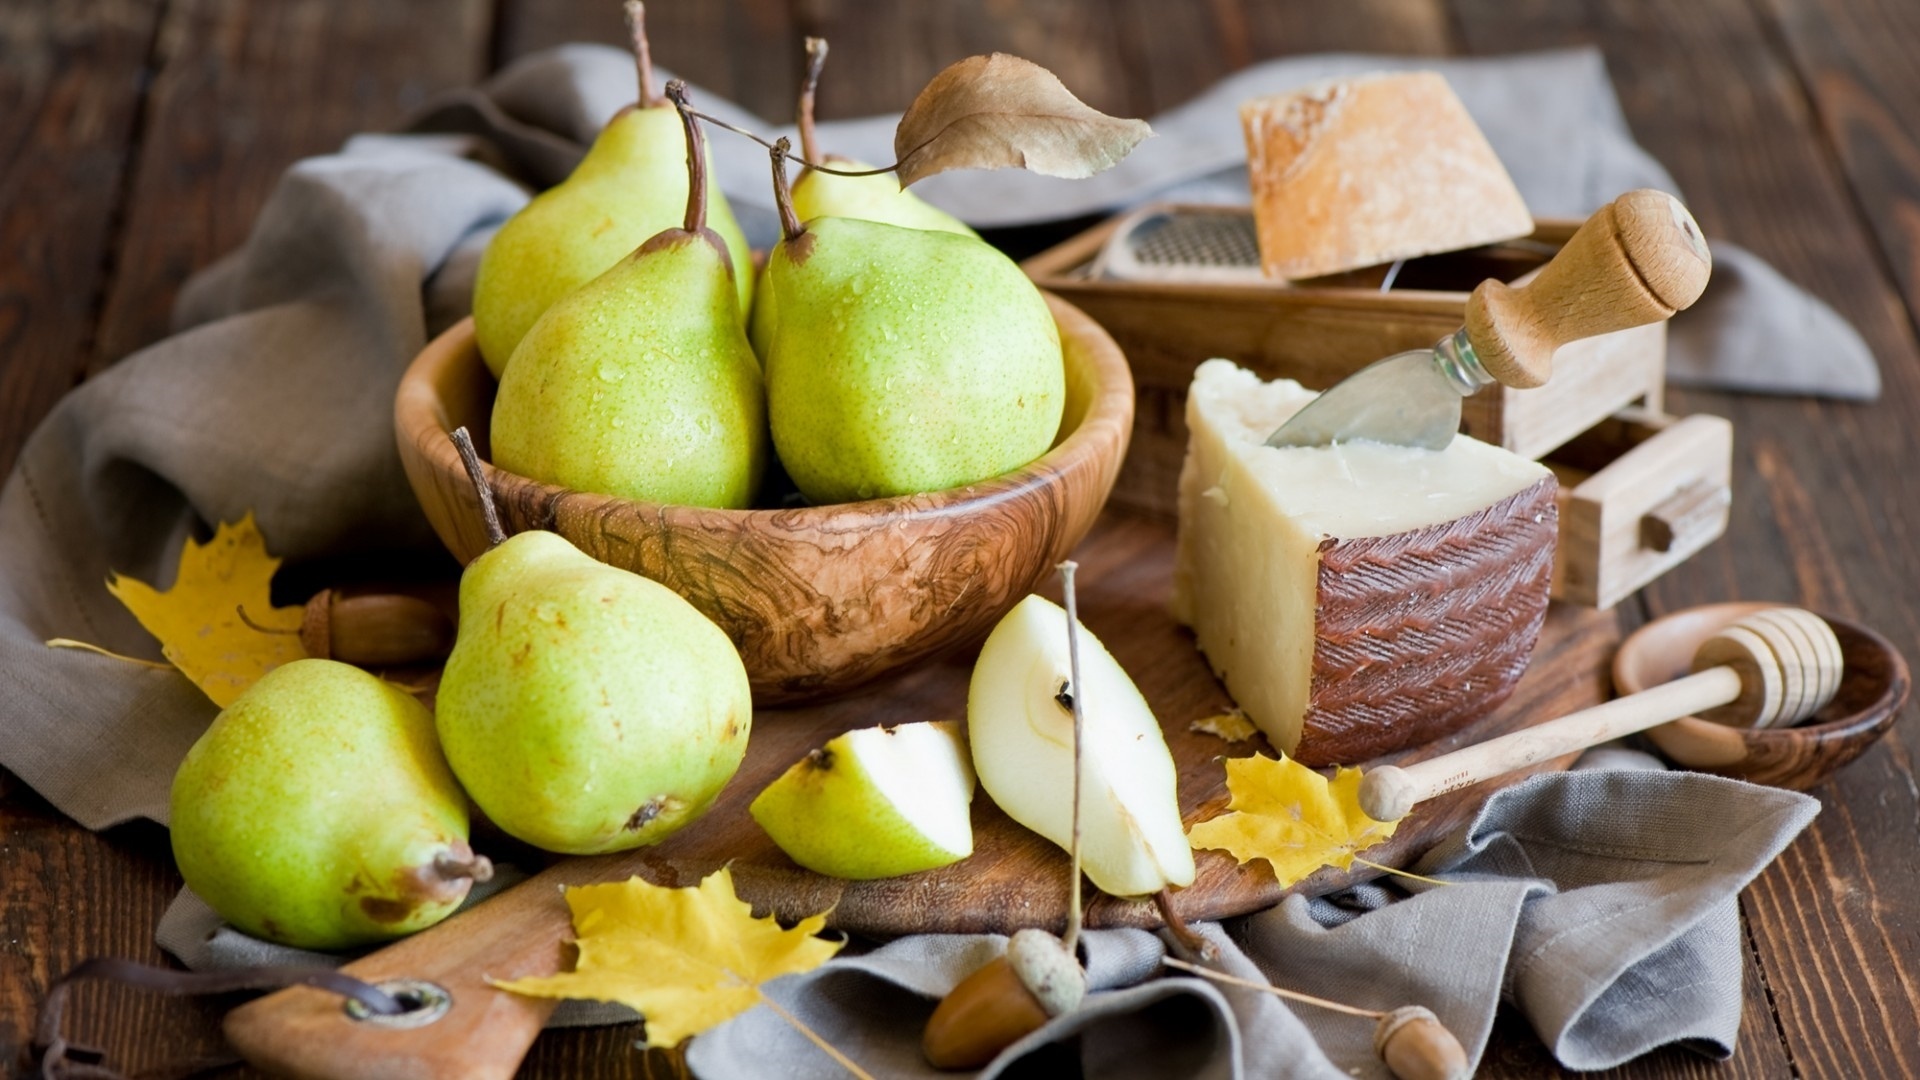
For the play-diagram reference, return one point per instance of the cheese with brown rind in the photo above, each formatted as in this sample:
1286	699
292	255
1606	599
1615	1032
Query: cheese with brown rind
1354	172
1356	599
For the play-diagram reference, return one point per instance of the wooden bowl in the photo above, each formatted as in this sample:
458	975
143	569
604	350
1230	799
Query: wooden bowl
818	599
1872	691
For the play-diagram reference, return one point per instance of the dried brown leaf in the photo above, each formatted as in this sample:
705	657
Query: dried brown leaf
999	111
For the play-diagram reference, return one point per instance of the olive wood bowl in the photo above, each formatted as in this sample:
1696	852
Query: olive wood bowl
819	599
1873	688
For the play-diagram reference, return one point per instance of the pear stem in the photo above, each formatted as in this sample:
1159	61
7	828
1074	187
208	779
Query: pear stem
816	59
489	513
1184	939
814	165
782	194
1074	913
642	56
696	158
453	866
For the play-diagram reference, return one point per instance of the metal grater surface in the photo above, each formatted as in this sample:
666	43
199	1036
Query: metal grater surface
1224	240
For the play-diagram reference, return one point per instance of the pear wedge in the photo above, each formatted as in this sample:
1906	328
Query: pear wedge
875	803
1020	726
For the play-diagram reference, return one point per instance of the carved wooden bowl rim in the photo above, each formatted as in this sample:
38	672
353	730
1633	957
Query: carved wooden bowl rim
1873	690
1048	505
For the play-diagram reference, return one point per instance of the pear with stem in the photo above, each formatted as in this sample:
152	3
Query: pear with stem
876	197
903	360
641	383
631	184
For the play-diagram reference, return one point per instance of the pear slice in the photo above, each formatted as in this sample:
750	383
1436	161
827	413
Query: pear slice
874	803
1020	724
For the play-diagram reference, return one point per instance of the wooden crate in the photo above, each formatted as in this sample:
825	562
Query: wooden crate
1640	490
1322	333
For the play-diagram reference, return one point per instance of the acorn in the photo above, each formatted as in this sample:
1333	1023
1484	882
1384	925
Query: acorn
1009	998
375	629
1416	1046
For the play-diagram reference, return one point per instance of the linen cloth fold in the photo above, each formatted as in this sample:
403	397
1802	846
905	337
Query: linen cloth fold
274	397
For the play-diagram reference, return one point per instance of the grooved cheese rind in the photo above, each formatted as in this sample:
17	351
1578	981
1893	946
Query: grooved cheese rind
1420	633
1357	599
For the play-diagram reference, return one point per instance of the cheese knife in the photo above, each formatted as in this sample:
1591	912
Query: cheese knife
1636	261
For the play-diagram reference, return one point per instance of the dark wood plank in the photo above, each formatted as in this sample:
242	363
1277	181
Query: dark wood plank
1412	27
884	53
1855	59
747	51
71	78
1821	513
242	91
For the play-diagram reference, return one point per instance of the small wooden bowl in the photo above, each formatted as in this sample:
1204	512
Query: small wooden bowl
1872	691
818	599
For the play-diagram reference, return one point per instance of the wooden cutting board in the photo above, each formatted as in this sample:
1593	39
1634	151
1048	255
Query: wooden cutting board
1014	879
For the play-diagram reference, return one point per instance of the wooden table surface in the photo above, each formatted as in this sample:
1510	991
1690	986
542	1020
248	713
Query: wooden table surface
138	137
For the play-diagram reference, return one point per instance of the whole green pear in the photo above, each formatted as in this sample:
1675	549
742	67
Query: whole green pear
821	194
585	708
317	811
630	185
905	360
641	383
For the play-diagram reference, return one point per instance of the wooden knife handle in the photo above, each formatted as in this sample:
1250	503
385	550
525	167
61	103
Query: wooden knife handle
1637	260
484	1033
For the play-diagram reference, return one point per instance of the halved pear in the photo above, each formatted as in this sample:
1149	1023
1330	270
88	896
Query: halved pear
874	803
1020	725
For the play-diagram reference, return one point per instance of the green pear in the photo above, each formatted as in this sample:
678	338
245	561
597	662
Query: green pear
821	194
904	360
1020	726
317	811
585	708
641	383
632	183
875	803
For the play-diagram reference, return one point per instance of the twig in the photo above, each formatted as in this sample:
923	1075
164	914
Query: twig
1074	914
87	646
817	167
1292	995
1184	937
815	1038
642	56
1382	867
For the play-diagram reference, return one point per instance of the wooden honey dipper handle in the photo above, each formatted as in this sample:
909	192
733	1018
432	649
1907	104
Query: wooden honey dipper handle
1743	675
1637	260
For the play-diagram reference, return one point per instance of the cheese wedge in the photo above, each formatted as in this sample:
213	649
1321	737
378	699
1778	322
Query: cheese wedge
1352	172
1360	598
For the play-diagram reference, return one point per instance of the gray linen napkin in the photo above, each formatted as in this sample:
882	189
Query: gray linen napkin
273	396
1598	902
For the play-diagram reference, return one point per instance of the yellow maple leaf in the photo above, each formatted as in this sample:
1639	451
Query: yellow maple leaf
686	959
1291	816
198	620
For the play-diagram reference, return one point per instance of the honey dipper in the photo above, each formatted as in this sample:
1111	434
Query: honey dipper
1773	668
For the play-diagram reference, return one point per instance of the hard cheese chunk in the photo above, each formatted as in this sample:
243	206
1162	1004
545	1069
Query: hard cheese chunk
1360	598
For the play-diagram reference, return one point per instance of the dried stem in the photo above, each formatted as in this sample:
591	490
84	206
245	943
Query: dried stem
814	165
803	116
454	865
88	646
1397	872
642	56
1074	905
489	513
696	158
782	194
1184	938
241	610
814	1037
1291	995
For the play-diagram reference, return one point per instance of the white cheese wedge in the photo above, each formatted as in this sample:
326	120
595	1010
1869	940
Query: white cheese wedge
1355	598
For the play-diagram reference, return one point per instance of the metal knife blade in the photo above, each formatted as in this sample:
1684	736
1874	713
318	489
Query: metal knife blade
1409	399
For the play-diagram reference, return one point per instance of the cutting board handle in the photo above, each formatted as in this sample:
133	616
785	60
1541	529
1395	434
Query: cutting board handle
1637	260
483	1032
